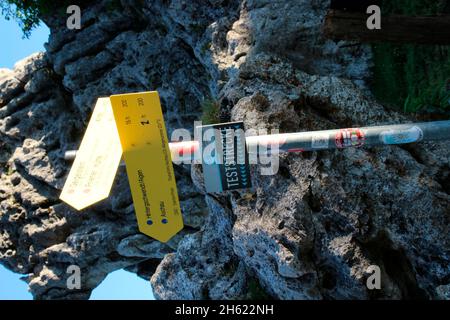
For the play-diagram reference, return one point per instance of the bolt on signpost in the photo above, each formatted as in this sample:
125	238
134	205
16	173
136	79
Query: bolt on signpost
131	126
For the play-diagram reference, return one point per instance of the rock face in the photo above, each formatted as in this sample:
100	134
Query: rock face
309	232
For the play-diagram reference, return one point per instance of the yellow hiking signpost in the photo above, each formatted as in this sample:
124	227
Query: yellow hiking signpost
140	126
142	132
133	125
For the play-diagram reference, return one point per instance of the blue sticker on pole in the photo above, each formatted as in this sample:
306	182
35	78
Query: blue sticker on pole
403	136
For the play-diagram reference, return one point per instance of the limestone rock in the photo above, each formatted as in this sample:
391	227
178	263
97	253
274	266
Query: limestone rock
309	232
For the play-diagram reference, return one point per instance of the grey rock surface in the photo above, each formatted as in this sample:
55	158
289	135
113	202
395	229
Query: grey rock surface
309	232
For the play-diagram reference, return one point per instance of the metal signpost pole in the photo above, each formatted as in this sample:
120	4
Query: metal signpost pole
324	140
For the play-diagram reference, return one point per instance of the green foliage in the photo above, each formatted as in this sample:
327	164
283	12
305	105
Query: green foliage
205	47
26	13
211	109
10	171
255	291
412	77
113	5
413	7
198	27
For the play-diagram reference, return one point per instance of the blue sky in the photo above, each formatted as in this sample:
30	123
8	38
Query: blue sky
118	285
14	48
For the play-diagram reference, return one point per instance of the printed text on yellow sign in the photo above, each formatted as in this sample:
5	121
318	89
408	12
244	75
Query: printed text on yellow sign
143	137
95	166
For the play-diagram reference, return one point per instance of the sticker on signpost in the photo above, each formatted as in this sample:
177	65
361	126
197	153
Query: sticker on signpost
352	137
320	141
224	157
410	135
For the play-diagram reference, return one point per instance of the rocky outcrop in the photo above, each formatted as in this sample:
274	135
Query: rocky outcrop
308	232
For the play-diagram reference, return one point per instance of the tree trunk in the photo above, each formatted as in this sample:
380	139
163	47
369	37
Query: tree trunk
342	25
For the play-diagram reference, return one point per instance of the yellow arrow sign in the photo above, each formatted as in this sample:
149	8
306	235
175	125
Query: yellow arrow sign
93	171
143	136
132	124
